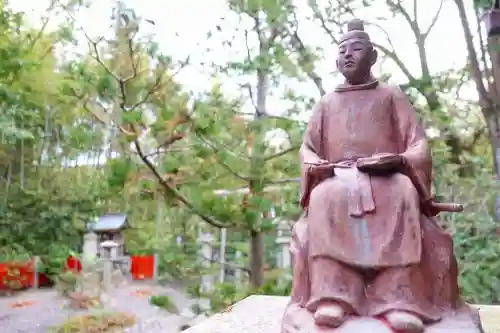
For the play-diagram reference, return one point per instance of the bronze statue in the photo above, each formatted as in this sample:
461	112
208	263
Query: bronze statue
368	244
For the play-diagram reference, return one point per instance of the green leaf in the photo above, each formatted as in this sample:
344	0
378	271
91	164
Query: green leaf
131	117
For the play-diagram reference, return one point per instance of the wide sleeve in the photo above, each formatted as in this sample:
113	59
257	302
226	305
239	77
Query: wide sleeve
413	144
310	152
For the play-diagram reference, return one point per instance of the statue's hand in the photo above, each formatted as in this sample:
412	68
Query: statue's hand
321	168
380	163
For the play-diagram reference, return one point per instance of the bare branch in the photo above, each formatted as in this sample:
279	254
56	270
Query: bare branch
415	10
296	41
434	19
394	57
483	48
97	57
268	116
473	61
274	34
250	94
392	53
171	139
45	22
396	5
182	65
257	28
281	153
100	114
324	25
301	48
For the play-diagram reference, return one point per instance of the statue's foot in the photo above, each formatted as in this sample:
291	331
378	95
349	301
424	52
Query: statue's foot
404	322
331	314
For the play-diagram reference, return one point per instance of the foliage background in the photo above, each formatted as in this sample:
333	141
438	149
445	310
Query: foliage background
112	128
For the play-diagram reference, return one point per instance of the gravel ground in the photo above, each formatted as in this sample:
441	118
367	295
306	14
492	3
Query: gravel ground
50	309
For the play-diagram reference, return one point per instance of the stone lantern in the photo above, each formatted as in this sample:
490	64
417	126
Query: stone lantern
283	240
109	248
491	19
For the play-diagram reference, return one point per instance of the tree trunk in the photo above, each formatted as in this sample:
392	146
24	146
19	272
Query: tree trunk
257	254
256	259
487	88
494	132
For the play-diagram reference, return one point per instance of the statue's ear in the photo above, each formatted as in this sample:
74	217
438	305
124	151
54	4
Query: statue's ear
374	56
337	64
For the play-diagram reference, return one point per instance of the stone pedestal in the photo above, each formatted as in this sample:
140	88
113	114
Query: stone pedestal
238	276
109	253
264	314
283	240
90	246
89	282
207	280
299	320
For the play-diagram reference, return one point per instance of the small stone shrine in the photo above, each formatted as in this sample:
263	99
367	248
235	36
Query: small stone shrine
110	227
108	245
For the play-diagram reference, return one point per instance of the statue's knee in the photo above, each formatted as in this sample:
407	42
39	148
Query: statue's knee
401	179
404	184
323	192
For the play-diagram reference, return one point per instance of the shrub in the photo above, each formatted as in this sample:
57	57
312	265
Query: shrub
164	302
96	323
66	282
226	294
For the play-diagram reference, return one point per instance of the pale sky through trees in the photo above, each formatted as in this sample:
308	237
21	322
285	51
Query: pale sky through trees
181	27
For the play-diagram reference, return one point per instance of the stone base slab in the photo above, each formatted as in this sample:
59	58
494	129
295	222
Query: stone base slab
263	314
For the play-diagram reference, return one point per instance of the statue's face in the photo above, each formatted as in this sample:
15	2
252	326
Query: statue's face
355	59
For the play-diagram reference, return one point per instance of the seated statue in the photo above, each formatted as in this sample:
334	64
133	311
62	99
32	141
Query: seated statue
368	244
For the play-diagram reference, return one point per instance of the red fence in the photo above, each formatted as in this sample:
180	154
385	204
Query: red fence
21	274
142	267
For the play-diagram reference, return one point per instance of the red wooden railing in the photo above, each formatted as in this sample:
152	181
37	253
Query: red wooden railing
142	267
21	274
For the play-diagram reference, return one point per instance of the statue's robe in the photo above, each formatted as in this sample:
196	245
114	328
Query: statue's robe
365	233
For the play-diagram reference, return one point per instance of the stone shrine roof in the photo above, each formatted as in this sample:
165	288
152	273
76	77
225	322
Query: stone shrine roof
109	222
